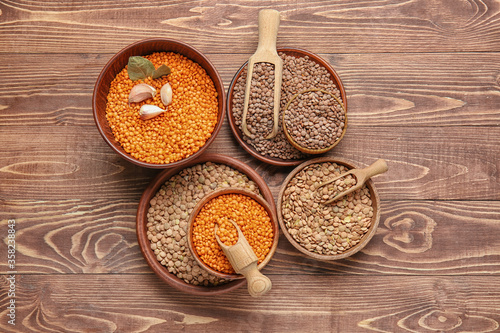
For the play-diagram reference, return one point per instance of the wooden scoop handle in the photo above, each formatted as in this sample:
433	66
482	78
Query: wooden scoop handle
258	283
361	175
378	167
269	22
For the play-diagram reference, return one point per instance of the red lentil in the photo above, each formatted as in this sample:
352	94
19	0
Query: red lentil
249	215
175	134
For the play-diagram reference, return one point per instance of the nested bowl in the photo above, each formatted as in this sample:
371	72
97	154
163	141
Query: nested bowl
142	220
239	136
271	212
303	148
118	62
308	213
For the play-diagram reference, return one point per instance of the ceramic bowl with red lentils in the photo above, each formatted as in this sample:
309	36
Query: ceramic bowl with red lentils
255	217
159	103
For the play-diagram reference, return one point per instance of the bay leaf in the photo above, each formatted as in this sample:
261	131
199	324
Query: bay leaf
160	71
139	68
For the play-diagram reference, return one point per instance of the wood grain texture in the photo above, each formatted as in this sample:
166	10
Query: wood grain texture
74	236
422	79
322	26
434	90
441	166
340	303
98	236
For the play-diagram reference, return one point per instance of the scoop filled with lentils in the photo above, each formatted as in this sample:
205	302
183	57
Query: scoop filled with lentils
325	229
299	74
182	129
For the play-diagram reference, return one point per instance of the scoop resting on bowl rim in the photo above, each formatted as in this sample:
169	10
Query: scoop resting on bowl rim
364	239
239	136
261	201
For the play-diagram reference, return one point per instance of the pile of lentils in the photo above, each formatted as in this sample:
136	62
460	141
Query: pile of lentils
169	212
250	216
314	119
299	74
175	134
325	229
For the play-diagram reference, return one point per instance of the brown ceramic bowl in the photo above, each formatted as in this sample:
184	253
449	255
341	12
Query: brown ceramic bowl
141	221
239	135
364	239
119	61
261	200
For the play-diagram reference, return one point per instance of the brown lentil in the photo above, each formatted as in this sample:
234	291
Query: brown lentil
299	73
169	211
319	228
175	134
248	214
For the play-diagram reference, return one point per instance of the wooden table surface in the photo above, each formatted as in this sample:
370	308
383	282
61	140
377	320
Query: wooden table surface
423	85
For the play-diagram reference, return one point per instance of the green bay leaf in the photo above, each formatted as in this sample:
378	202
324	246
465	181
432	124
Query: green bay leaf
160	71
139	68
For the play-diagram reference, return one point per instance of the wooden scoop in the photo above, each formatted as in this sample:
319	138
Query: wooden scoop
361	175
244	261
269	21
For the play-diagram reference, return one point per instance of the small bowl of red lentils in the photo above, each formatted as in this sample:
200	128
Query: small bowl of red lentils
318	228
252	213
313	109
159	103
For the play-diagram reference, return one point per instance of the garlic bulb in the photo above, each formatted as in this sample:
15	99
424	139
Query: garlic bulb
166	94
150	111
141	92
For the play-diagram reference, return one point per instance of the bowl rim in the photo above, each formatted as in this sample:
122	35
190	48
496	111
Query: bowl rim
366	237
233	190
237	133
218	83
141	221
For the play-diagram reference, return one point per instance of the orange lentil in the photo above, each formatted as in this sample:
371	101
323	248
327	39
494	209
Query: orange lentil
249	215
180	131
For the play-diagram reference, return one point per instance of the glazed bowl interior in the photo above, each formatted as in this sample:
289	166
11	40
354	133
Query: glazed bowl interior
119	61
239	135
261	200
142	220
364	239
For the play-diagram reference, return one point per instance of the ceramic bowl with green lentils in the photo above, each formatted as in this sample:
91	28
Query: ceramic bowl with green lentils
326	231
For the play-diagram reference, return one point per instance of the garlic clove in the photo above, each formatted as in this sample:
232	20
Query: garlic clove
148	111
141	92
166	94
